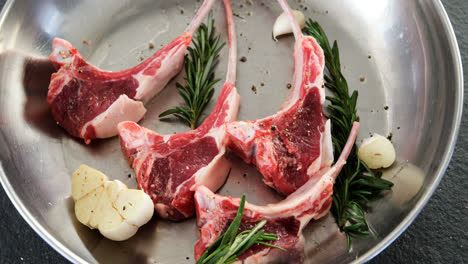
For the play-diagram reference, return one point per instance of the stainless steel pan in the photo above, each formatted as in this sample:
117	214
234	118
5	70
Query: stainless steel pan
405	52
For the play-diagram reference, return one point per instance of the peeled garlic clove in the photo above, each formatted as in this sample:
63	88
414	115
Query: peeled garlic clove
135	206
118	231
85	179
85	207
104	212
377	152
114	188
282	25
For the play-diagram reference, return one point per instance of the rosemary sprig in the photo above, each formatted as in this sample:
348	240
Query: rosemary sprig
231	245
356	184
199	68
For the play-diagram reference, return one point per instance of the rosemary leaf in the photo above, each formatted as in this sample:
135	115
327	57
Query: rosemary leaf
232	244
199	66
356	185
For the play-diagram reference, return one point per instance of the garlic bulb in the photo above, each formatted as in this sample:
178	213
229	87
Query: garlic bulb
108	205
282	25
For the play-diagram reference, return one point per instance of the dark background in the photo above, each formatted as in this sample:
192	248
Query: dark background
438	235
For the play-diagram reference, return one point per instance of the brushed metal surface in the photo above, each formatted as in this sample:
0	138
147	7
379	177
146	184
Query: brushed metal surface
414	68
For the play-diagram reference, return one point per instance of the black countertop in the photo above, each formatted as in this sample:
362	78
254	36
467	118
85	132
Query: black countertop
438	235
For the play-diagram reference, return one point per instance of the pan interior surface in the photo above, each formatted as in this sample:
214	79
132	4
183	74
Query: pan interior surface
400	55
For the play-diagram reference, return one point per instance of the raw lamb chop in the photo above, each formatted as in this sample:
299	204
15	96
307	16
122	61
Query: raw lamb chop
286	219
291	146
168	167
89	102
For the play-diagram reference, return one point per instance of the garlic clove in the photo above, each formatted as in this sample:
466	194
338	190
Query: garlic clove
85	179
282	25
377	152
135	206
85	207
